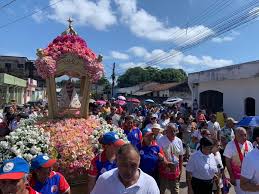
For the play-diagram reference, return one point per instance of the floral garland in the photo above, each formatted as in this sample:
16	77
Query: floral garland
26	141
101	130
70	144
64	44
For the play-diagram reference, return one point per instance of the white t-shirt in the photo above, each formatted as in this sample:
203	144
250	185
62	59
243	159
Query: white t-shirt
163	123
197	134
116	119
202	166
171	148
158	137
109	183
214	128
220	167
250	168
232	153
231	150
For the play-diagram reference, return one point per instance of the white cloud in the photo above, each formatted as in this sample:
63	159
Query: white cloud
228	38
98	14
119	55
223	39
143	24
254	11
189	63
139	51
39	16
128	65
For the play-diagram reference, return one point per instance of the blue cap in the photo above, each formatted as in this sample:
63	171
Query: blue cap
147	131
42	161
14	169
111	138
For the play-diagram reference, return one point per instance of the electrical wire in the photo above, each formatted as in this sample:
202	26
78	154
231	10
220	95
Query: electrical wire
29	15
209	12
228	24
7	4
201	32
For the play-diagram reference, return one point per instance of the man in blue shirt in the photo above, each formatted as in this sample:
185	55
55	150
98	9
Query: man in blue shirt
133	133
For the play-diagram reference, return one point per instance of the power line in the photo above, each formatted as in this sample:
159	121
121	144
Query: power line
2	1
29	15
219	29
9	3
197	37
216	7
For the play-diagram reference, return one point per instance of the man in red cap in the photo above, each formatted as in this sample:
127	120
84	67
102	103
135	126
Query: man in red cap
46	181
106	160
13	177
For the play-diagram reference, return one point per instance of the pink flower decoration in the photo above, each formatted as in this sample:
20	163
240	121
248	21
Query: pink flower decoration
47	65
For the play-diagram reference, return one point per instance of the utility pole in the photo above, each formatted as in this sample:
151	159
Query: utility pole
113	78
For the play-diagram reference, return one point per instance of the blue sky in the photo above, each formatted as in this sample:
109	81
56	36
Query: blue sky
132	32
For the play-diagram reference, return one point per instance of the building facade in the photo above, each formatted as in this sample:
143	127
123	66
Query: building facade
30	94
233	89
20	67
11	89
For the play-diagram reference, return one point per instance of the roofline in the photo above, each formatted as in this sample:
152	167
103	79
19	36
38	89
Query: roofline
229	66
15	57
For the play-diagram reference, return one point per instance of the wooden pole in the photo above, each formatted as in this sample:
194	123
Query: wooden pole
50	101
85	99
53	96
82	85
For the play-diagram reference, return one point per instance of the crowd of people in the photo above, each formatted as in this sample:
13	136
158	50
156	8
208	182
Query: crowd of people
161	141
166	137
12	114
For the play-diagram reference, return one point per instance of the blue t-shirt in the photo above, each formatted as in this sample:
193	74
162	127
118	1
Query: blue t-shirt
55	184
134	136
149	158
100	165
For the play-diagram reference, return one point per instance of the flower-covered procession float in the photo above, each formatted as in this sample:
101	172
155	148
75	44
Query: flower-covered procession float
68	134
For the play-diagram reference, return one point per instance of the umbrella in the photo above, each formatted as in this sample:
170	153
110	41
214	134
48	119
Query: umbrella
150	101
134	100
101	102
120	102
172	101
251	121
121	98
92	101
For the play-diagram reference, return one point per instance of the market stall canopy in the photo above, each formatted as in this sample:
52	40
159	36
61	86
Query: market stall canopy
251	121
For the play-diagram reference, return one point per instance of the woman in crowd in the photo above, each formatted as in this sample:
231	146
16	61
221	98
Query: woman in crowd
164	120
218	188
157	131
201	170
188	128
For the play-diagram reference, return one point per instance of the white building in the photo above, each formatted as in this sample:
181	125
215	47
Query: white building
235	89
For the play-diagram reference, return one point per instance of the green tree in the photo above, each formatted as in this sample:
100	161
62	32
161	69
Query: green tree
137	75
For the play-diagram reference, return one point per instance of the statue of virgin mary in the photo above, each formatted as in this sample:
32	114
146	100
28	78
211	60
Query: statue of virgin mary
69	98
